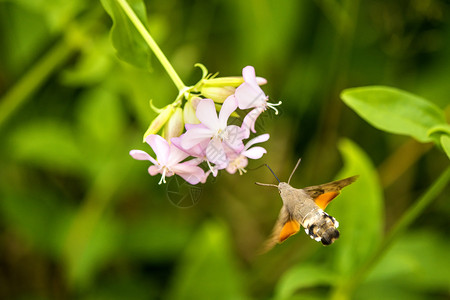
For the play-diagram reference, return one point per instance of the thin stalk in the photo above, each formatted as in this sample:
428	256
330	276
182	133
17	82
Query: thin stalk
152	44
33	79
399	228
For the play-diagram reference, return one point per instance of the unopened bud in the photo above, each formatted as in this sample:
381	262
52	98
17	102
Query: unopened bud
189	111
175	126
233	81
217	94
160	120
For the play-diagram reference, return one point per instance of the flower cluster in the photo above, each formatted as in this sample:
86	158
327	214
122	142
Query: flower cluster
217	140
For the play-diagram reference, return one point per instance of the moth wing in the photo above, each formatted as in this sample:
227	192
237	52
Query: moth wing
324	193
284	227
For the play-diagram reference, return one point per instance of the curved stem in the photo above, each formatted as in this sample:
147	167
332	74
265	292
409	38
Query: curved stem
152	44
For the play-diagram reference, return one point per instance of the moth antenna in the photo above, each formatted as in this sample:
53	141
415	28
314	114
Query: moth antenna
295	168
266	184
272	172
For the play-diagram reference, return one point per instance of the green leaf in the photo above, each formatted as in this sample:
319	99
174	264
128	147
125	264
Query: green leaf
302	276
359	209
91	254
445	143
48	144
101	118
208	269
394	110
417	262
127	41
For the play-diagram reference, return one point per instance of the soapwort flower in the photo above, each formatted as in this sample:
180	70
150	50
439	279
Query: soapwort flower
250	95
239	160
168	161
208	125
215	130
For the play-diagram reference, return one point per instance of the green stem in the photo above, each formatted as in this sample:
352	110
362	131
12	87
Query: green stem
33	79
399	228
152	44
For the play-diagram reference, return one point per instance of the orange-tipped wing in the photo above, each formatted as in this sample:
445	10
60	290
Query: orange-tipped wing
280	231
291	227
324	193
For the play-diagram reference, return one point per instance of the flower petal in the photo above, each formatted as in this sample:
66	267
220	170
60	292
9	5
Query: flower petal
160	146
195	136
176	155
261	80
255	152
215	153
206	113
234	136
249	75
190	173
250	119
228	107
259	139
142	155
153	170
249	96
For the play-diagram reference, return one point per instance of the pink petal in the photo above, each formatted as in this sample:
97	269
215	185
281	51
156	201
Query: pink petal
206	113
261	80
234	136
195	136
176	155
215	153
259	139
190	173
160	146
249	96
141	155
250	119
249	75
153	170
228	106
255	152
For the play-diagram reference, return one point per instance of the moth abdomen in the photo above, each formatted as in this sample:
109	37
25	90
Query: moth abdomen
322	228
329	236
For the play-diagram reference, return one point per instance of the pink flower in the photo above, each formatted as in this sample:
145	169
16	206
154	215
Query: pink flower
250	95
168	161
214	130
238	161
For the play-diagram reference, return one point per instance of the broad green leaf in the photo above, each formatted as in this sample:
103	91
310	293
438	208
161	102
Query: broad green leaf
39	217
101	118
208	269
419	259
127	41
93	251
394	110
445	143
50	145
302	276
359	210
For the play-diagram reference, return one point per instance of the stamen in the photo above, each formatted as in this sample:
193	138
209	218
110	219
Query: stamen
211	168
272	106
163	177
242	171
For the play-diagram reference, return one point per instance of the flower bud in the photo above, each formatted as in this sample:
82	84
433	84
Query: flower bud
175	126
233	81
160	120
189	111
217	94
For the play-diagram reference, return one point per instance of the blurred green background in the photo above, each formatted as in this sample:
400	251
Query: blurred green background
80	219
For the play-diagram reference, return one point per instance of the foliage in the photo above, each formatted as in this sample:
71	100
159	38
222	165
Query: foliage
81	219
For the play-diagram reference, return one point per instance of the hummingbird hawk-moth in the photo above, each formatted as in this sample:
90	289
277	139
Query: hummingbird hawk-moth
305	207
